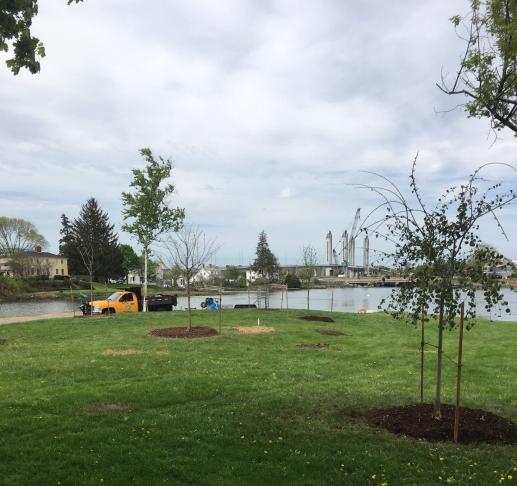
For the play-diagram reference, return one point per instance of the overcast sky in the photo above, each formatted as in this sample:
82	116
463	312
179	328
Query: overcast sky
269	109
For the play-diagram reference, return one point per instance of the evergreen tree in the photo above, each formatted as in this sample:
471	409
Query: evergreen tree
91	235
67	247
265	264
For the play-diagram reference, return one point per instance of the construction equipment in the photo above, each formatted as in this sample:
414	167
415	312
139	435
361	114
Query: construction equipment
346	245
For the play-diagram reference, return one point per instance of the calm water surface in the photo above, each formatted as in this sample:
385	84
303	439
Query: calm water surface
340	300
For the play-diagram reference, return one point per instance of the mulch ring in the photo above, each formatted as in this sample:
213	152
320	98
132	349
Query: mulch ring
317	318
313	345
417	421
330	332
3	342
184	333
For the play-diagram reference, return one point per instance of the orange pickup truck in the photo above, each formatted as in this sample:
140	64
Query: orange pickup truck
128	300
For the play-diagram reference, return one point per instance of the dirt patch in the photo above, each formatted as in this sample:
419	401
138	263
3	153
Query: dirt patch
184	333
101	408
121	352
3	342
317	318
330	332
162	353
417	421
255	329
313	345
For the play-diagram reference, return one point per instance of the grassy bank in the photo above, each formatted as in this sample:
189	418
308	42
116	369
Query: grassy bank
102	402
100	291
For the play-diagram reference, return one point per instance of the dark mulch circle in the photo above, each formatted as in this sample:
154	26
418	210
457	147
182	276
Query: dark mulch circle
3	342
183	333
417	421
313	345
317	318
329	332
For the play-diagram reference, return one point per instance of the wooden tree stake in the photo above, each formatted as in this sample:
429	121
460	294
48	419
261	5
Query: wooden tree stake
458	377
422	344
220	309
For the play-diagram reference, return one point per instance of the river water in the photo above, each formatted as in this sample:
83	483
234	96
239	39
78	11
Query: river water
339	300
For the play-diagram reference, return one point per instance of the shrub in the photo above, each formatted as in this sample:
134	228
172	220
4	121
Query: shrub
10	286
292	281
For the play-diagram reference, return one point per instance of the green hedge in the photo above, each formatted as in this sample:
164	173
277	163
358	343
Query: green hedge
11	286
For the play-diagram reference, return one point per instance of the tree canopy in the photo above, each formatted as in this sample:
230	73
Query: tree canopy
487	74
147	207
15	32
18	235
131	262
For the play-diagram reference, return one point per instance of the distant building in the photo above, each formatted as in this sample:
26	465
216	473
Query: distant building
34	264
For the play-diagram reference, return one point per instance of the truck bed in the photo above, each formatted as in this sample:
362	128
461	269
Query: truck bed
161	302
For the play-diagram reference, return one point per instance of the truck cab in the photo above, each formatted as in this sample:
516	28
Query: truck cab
120	301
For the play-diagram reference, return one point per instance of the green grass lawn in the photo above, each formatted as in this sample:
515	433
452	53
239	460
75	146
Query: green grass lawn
238	408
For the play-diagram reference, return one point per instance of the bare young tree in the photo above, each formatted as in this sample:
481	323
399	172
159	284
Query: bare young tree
438	249
308	270
85	247
188	249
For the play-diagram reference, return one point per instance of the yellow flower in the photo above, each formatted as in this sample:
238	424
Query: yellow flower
374	476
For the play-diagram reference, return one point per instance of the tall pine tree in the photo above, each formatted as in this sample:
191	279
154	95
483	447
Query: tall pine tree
266	263
67	247
91	243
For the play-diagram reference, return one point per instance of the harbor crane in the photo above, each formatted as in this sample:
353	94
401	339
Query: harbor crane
346	245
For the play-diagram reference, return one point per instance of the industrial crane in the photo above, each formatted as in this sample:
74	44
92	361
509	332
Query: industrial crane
347	244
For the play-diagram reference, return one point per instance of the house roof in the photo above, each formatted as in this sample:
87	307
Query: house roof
42	254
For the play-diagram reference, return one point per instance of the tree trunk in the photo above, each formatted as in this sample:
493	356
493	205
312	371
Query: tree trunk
188	307
308	290
422	349
144	303
437	400
91	293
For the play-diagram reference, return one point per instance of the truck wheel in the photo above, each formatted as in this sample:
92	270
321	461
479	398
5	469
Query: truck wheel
108	311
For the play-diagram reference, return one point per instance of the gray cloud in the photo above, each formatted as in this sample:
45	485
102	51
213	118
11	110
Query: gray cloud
269	110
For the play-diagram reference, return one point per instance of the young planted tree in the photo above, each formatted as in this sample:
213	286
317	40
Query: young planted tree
439	251
189	249
266	263
147	207
487	74
308	270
